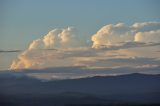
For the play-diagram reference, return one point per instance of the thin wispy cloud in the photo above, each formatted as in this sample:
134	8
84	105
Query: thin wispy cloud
9	51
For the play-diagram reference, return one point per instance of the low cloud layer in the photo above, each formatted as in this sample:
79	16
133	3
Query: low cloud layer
113	46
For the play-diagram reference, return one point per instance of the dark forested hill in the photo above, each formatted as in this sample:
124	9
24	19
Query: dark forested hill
123	89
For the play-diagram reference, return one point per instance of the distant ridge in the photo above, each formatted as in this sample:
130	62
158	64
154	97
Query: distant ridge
129	88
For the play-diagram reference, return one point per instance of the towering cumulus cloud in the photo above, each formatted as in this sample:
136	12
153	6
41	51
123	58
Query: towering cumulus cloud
57	38
120	33
37	53
113	35
123	43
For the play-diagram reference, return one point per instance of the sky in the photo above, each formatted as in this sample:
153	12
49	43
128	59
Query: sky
25	20
97	34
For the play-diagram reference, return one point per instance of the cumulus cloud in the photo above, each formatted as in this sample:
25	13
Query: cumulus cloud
43	58
89	57
36	44
58	38
123	46
26	59
151	36
110	35
146	26
37	55
113	35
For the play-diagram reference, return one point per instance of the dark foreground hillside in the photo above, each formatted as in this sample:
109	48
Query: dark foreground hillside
123	90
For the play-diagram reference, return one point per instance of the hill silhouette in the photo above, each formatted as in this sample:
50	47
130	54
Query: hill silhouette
122	89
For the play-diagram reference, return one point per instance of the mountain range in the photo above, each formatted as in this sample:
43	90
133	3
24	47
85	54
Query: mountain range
128	89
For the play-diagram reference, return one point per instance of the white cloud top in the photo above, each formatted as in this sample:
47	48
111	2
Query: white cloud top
57	38
151	36
123	46
120	33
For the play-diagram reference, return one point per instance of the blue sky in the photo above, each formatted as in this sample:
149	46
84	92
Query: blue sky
25	20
